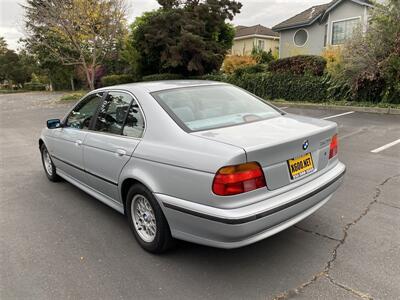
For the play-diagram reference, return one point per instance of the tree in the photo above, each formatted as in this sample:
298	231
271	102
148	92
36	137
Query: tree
370	62
188	37
3	45
77	32
13	69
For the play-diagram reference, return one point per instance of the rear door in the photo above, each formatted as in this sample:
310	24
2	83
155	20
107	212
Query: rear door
116	132
67	141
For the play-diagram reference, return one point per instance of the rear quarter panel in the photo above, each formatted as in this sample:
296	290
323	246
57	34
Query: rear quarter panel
185	172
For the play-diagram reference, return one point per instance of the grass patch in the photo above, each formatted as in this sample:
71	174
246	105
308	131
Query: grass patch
74	96
7	91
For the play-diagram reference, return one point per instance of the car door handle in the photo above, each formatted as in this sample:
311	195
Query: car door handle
78	142
120	152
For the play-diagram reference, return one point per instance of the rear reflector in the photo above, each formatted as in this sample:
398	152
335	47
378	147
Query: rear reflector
333	148
233	180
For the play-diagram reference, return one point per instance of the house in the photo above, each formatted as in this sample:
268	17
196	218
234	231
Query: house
257	36
321	26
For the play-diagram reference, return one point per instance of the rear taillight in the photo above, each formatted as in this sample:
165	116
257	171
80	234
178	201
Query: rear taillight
333	148
233	180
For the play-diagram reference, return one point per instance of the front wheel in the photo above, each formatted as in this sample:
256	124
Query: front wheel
147	220
48	165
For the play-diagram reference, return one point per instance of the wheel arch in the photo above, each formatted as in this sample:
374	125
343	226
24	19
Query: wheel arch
126	184
41	142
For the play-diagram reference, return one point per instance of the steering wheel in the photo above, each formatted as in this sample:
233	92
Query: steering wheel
86	122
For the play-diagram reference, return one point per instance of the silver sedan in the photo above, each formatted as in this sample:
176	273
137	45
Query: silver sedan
200	161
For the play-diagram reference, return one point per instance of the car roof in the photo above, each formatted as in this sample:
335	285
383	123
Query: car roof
154	86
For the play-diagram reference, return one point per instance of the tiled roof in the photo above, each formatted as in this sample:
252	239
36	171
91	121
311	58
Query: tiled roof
252	30
308	16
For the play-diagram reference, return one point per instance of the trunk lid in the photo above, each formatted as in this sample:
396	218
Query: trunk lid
274	141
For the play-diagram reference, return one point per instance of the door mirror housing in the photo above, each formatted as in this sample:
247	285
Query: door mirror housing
53	123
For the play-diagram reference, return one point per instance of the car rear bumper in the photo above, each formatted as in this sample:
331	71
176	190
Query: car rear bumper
233	228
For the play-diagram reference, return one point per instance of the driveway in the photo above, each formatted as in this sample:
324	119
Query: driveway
57	242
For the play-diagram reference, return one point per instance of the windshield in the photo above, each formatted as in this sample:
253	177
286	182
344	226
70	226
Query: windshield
209	107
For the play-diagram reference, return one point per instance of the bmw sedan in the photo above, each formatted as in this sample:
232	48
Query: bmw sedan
200	161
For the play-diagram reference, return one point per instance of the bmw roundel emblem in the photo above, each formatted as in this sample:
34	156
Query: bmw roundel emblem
305	145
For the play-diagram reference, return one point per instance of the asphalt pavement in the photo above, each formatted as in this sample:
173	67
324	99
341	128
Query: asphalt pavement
56	242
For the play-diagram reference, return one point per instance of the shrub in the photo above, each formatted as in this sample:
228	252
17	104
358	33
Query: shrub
299	65
334	60
74	96
165	76
233	62
32	86
116	79
370	68
252	69
280	86
261	56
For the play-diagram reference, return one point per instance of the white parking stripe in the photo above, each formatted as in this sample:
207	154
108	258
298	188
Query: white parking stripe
339	115
377	150
283	107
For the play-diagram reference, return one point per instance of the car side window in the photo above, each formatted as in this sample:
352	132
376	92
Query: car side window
112	113
120	114
81	116
134	125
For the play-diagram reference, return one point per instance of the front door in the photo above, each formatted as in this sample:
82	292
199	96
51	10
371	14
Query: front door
116	133
67	141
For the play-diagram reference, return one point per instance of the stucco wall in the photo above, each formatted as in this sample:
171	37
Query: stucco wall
347	10
314	44
316	32
245	46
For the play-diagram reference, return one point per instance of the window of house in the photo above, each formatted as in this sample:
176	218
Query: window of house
300	38
326	35
343	30
260	45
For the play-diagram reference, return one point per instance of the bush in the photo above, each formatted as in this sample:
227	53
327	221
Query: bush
280	86
165	76
233	62
32	86
250	70
74	96
116	79
262	56
299	65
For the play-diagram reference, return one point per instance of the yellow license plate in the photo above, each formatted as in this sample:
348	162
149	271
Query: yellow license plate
300	166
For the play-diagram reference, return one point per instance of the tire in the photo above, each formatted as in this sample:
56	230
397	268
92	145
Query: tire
48	165
150	229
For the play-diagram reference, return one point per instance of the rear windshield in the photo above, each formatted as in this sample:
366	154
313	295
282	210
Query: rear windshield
210	107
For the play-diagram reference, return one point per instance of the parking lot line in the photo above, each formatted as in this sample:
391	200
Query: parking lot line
339	115
283	107
384	147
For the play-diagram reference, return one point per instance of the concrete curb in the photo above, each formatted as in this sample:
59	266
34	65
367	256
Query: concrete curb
376	110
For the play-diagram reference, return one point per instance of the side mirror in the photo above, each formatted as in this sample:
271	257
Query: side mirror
53	123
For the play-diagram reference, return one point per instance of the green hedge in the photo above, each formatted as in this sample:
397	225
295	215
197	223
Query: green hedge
30	86
165	76
279	86
116	79
258	68
299	65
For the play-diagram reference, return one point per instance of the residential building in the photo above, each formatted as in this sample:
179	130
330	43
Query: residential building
322	26
257	36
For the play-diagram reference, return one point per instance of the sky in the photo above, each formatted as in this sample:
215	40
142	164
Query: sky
264	12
